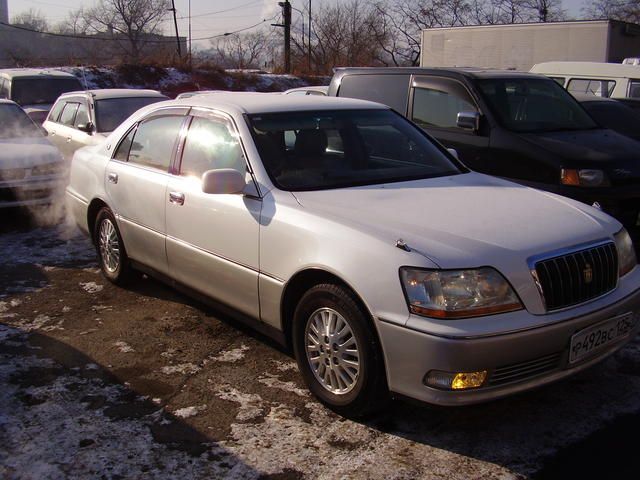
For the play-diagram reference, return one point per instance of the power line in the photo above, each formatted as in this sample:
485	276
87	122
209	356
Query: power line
222	11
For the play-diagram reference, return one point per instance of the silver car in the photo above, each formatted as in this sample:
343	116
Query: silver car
344	231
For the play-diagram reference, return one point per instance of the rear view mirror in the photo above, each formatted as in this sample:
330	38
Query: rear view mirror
223	180
469	121
86	127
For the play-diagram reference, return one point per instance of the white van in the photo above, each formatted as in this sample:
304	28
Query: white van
613	80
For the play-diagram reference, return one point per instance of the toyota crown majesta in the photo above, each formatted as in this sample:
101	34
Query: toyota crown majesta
341	229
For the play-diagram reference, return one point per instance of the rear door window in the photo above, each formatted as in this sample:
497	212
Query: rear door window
634	88
391	90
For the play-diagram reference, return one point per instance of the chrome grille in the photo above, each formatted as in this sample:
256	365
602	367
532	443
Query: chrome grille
524	370
578	276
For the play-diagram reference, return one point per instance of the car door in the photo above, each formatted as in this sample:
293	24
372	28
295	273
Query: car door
212	239
434	104
136	184
62	134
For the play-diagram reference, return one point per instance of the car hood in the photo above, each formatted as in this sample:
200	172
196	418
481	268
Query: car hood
598	148
464	220
27	152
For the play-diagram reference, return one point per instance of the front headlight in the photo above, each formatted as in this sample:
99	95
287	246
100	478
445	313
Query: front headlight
626	252
457	293
585	177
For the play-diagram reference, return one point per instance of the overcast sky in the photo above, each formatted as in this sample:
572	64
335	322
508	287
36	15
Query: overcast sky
208	17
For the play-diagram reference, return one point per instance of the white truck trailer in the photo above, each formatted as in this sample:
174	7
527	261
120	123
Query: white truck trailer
520	46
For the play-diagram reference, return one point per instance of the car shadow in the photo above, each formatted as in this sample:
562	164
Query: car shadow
122	431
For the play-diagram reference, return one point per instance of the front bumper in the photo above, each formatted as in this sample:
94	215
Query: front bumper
540	355
32	191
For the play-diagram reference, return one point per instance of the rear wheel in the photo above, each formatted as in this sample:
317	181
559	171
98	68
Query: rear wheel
114	262
337	352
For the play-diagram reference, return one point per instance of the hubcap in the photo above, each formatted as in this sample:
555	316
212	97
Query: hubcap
109	246
332	351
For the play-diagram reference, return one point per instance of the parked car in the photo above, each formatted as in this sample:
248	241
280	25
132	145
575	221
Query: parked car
31	169
308	90
612	114
36	89
338	227
519	126
196	92
85	118
614	80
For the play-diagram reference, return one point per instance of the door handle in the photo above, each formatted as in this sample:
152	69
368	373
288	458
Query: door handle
68	139
113	177
176	198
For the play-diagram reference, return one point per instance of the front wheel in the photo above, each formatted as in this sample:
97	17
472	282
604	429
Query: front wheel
338	353
114	262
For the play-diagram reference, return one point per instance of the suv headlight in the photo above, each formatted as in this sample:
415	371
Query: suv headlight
626	252
457	293
585	177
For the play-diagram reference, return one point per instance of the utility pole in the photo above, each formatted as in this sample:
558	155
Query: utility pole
190	60
309	42
175	22
286	13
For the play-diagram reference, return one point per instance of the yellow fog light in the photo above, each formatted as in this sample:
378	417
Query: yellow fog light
455	380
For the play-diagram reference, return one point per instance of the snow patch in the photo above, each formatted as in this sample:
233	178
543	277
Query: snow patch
189	411
91	287
285	366
182	368
124	347
231	355
273	381
250	403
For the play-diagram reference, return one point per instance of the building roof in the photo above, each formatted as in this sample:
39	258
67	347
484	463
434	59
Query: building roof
472	72
588	68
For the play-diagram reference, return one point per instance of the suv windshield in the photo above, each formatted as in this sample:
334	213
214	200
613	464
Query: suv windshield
34	91
110	113
14	123
533	105
331	149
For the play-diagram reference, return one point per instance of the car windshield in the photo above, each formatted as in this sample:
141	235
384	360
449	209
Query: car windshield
14	123
332	149
34	91
533	105
111	112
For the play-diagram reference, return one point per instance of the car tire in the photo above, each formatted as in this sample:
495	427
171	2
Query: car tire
112	255
338	352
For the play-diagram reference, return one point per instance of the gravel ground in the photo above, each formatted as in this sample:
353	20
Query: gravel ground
97	381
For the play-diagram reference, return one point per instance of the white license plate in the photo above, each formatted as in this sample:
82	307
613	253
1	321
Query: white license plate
597	337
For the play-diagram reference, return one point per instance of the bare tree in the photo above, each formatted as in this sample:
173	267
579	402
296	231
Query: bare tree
241	50
32	19
626	10
74	24
133	20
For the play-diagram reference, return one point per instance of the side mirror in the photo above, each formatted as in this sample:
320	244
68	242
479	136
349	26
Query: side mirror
86	127
223	180
469	120
453	152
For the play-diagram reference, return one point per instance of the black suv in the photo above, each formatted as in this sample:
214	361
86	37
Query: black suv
520	126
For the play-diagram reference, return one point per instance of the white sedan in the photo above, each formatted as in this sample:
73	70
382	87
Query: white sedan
31	168
343	230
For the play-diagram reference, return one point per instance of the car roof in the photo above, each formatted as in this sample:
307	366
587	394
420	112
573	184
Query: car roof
587	68
33	73
469	72
104	93
251	102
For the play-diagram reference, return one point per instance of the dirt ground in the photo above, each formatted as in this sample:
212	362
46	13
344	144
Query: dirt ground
98	381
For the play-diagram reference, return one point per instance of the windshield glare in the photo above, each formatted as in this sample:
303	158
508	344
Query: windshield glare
111	112
14	123
534	105
35	91
331	149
